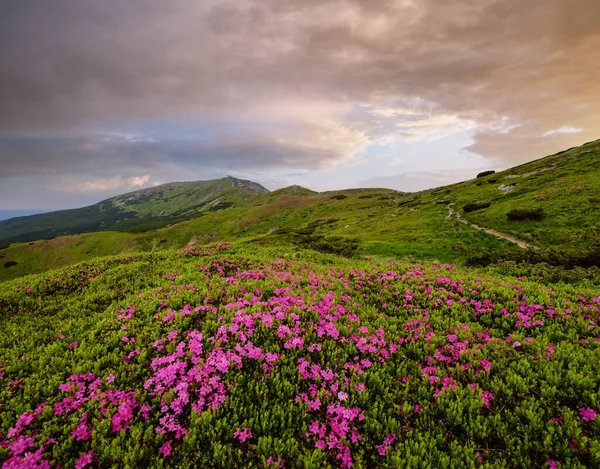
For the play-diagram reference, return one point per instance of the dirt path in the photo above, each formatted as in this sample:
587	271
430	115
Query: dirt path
522	244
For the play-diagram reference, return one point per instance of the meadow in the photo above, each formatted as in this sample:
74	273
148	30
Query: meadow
226	355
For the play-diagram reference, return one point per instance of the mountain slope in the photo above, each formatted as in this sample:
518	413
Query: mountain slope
150	208
380	223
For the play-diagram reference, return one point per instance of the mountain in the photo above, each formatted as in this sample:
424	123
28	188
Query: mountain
141	210
551	205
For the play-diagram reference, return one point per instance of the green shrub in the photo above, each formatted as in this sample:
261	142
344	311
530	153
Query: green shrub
338	197
525	214
476	206
486	173
568	258
8	264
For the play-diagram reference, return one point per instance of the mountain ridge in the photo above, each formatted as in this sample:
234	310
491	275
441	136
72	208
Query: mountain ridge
147	208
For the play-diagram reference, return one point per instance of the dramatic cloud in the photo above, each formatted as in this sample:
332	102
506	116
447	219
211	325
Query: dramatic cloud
105	88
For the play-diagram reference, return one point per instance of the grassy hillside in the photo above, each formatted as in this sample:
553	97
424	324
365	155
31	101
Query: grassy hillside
565	187
382	223
217	356
141	210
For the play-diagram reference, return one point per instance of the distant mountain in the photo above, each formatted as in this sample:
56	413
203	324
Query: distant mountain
293	190
140	210
7	214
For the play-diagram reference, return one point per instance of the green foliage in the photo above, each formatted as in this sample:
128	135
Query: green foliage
308	238
486	173
338	197
448	367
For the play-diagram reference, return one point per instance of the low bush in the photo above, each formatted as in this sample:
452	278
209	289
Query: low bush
568	258
486	173
338	197
525	214
476	206
10	264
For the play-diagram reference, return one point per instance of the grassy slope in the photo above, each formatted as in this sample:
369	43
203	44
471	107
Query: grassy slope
385	223
566	186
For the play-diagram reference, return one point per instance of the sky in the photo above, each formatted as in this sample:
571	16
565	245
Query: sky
101	97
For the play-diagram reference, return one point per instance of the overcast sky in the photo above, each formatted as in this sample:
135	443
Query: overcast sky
99	97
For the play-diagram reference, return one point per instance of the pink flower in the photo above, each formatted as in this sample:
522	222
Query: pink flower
71	347
486	364
588	414
279	462
145	411
21	444
552	464
342	396
165	450
243	434
487	398
83	431
84	460
516	344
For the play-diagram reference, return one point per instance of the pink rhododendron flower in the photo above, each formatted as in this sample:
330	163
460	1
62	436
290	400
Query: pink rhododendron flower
588	414
243	434
278	463
21	444
84	460
165	450
486	364
83	431
487	398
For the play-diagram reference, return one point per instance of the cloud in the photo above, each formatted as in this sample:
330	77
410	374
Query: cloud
277	85
414	181
310	146
102	185
563	130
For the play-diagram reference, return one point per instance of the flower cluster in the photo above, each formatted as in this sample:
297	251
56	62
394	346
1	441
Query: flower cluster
299	363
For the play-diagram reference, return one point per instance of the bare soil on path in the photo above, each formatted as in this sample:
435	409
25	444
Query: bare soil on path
452	214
